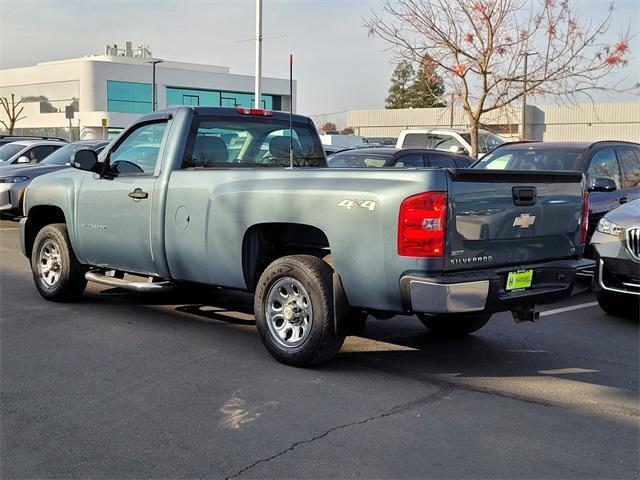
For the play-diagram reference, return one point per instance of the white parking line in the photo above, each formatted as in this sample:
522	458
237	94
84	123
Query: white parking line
568	309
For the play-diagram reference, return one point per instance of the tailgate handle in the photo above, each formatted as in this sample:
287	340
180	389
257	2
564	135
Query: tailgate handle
524	196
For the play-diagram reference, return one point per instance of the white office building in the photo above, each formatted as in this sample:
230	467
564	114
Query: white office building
107	92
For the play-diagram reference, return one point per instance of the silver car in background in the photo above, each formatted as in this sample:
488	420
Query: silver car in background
616	246
15	178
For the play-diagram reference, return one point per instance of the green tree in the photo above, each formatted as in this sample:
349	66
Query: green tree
428	88
401	82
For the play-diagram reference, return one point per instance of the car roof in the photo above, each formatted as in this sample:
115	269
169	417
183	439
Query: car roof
443	130
562	145
392	151
31	143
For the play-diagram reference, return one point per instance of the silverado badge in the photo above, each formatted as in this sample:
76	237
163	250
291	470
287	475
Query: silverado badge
524	220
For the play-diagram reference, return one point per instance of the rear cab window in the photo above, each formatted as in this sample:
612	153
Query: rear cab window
416	140
532	159
227	142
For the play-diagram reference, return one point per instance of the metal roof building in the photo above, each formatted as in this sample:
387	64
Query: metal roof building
586	122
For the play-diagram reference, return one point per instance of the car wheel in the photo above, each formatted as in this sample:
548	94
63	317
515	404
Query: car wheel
618	304
56	271
294	311
453	326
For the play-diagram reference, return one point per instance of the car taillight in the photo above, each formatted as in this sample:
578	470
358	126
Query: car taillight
422	225
584	226
256	112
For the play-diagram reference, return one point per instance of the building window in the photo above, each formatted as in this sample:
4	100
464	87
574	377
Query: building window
52	97
128	97
219	98
193	100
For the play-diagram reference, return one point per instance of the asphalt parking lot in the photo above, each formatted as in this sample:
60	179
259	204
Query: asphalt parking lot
122	385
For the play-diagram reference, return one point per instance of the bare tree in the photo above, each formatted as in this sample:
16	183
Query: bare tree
328	127
12	111
347	131
483	47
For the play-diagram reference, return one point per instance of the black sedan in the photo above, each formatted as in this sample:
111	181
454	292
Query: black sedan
612	168
398	158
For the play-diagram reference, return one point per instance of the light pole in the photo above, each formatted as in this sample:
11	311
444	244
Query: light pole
258	88
523	121
153	62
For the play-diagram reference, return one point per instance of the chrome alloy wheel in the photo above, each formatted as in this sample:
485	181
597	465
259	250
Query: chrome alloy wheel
50	263
289	313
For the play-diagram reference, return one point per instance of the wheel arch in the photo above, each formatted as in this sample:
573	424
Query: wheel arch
39	217
264	242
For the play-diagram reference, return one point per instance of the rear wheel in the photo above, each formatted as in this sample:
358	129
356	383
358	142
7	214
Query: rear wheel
453	326
294	311
618	304
56	271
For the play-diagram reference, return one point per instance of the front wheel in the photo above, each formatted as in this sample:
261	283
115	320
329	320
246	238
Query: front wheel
56	271
618	304
294	311
453	326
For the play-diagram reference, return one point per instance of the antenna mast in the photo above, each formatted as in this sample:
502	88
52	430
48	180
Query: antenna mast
290	110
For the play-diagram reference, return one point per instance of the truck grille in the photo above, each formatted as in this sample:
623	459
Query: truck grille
633	242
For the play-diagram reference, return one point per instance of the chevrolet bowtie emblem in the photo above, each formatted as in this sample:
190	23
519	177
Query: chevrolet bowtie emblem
524	220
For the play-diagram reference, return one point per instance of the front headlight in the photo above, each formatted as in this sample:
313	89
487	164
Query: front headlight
16	179
607	226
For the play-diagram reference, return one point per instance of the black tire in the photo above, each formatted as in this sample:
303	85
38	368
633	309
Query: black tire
61	279
320	343
453	326
618	304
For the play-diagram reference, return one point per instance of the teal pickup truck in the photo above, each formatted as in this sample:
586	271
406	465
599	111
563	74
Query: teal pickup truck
242	198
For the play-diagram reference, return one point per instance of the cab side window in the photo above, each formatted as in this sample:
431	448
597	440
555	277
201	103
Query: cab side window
604	164
630	162
37	154
138	153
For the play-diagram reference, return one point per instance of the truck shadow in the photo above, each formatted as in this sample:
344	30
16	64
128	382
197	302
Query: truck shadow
500	353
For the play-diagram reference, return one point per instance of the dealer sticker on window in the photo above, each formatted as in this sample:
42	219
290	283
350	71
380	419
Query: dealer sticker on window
519	280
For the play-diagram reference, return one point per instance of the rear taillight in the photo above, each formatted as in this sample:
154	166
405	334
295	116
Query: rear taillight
422	225
256	112
584	226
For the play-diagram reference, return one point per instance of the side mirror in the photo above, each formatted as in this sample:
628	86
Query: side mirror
23	159
85	159
601	184
458	149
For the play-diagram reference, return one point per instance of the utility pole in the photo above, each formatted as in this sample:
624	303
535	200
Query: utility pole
523	121
154	62
258	92
453	99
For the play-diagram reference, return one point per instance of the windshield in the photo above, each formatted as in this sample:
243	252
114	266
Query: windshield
486	141
530	158
62	156
9	150
251	142
358	160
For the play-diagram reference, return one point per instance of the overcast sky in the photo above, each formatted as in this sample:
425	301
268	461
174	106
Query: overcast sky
338	67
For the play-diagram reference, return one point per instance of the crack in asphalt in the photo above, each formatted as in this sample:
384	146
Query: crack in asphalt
429	399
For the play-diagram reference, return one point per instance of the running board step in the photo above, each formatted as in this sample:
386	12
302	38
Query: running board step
113	281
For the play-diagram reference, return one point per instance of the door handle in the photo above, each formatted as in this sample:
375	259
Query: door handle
623	200
138	194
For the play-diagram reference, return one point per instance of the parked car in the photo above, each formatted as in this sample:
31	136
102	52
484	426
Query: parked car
611	168
450	140
392	157
27	151
616	247
319	247
14	138
15	178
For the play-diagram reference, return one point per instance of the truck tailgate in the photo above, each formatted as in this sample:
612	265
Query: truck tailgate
512	218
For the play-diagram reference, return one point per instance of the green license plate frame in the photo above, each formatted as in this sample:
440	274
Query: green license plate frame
519	280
